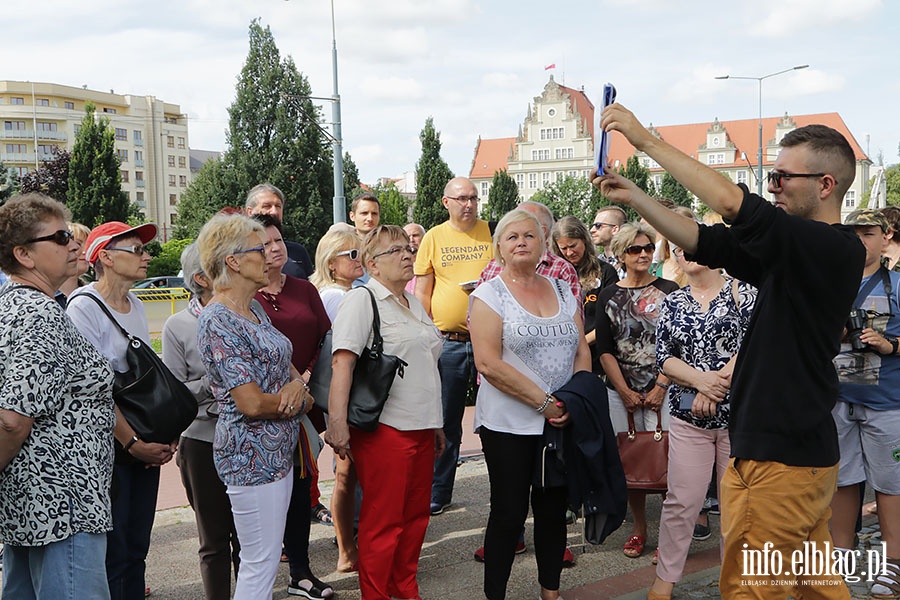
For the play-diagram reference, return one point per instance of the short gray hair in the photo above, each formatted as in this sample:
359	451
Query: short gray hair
546	216
260	189
190	266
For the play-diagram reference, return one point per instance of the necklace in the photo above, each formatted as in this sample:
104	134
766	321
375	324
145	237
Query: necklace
233	303
272	299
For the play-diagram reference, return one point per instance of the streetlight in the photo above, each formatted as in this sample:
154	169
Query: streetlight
759	155
339	204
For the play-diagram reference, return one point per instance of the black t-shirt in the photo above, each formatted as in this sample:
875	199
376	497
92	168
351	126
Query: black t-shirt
298	264
608	277
784	384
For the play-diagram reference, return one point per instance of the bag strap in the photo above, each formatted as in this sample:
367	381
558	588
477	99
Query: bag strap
102	306
870	285
16	286
377	341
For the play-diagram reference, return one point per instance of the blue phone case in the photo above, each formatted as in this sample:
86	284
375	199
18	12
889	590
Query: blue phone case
609	96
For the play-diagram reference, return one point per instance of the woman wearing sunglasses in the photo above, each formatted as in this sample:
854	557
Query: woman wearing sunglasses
627	313
116	252
56	416
338	265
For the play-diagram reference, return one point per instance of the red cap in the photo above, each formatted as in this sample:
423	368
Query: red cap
101	235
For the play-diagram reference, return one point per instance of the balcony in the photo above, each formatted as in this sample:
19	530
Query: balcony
139	183
15	158
139	142
139	162
28	134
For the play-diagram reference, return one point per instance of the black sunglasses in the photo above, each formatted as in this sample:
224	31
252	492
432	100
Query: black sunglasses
775	177
636	249
61	237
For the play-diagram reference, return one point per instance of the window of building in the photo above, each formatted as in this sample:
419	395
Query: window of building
138	137
70	105
42	102
657	181
742	177
181	143
560	175
545	179
715	159
850	199
17	100
121	134
182	162
110	111
124	176
172	219
14	125
171	160
563	153
122	154
138	175
542	154
573	173
532	181
520	180
171	181
171	120
20	171
170	141
139	198
76	128
15	148
45	126
47	149
173	199
139	158
182	180
485	187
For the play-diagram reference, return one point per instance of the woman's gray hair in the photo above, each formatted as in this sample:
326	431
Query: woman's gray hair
20	219
515	216
222	236
626	236
190	266
327	250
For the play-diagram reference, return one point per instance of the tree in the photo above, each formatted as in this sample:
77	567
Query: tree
676	192
567	196
503	197
352	184
394	206
273	136
168	260
51	178
432	175
95	185
638	174
8	183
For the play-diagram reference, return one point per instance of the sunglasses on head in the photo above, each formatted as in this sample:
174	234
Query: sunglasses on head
61	237
352	254
636	249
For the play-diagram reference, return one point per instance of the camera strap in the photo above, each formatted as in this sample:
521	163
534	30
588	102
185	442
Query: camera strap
870	285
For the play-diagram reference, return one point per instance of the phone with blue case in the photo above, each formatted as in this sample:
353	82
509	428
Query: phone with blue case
609	96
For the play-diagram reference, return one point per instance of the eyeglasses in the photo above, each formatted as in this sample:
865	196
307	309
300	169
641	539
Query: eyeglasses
465	199
395	250
261	249
599	225
635	249
352	254
137	249
61	237
775	177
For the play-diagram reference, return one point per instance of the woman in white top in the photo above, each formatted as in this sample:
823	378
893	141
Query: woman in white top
119	257
528	340
395	463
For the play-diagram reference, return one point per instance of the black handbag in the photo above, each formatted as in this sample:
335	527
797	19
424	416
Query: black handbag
157	405
320	376
373	377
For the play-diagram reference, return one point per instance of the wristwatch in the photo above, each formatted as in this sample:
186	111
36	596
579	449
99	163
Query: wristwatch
895	344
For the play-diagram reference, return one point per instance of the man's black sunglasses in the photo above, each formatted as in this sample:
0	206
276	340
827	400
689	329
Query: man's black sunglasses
775	177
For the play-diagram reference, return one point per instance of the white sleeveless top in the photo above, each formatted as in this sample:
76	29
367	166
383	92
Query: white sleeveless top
542	349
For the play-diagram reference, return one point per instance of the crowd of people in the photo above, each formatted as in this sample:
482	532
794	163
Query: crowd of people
564	334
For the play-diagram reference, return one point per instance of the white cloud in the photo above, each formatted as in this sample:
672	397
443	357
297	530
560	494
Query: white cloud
366	153
788	17
392	88
392	45
698	86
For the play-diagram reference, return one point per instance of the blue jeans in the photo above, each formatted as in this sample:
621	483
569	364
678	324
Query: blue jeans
134	507
457	368
65	570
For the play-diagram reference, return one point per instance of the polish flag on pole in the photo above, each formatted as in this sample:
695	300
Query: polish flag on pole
548	67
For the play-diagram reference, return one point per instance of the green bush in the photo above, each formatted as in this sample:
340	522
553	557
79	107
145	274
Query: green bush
168	260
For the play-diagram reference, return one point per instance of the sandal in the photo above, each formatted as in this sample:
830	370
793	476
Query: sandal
320	514
887	585
655	559
634	547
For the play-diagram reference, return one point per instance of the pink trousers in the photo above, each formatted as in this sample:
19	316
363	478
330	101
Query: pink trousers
692	453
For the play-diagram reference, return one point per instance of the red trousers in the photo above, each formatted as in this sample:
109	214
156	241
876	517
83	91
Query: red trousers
395	469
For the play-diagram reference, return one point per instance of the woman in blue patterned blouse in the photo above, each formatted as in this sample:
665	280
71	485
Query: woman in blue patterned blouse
698	335
259	394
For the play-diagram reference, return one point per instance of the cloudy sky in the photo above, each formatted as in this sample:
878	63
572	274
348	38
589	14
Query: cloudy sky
474	65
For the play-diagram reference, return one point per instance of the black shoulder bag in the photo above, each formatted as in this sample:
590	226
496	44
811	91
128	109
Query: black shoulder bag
157	405
373	377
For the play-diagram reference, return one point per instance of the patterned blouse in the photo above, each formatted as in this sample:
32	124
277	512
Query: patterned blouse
57	485
704	340
236	351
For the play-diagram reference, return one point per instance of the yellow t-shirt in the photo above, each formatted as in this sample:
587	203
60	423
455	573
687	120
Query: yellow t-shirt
453	257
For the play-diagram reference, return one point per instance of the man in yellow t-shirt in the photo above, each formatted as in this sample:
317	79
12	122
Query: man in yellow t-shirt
449	261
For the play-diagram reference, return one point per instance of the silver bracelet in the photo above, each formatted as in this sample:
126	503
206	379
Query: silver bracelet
303	383
547	400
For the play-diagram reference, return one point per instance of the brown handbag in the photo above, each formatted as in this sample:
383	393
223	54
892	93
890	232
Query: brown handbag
645	456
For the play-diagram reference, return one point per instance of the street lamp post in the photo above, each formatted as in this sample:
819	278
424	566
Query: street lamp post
759	155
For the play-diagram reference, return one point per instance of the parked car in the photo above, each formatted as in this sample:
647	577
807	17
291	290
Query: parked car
159	282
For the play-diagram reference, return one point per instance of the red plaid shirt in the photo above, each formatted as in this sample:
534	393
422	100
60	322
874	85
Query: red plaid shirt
550	265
